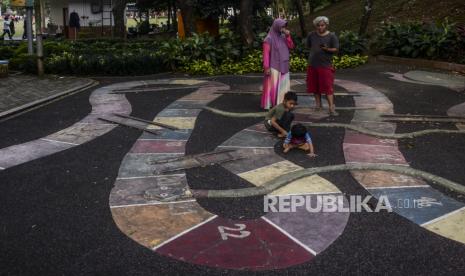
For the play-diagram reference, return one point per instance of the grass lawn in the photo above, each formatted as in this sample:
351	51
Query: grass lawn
132	23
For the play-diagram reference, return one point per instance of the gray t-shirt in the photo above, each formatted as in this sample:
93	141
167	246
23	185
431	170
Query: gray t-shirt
318	57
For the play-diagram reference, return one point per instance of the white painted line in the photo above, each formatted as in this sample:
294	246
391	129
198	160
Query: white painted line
157	153
95	124
395	146
259	131
59	142
151	204
398	187
361	163
313	193
183	232
442	217
160	139
2	168
151	176
241	147
290	236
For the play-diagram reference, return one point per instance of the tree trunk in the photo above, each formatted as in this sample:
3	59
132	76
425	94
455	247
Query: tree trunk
245	22
187	12
312	6
169	15
174	16
300	10
368	8
119	7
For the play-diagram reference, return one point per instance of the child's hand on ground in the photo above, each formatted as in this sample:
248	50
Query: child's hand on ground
312	155
286	147
282	135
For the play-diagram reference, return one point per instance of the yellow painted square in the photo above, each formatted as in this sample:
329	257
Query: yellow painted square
265	174
452	227
179	122
314	184
187	82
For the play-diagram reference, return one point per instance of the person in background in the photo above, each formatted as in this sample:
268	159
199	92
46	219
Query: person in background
12	26
74	24
323	45
6	27
276	64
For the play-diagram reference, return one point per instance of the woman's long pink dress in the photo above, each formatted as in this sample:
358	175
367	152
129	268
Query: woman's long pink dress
276	84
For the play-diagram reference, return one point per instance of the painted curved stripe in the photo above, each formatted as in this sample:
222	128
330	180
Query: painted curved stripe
103	104
314	231
458	111
183	230
400	189
154	210
449	81
87	129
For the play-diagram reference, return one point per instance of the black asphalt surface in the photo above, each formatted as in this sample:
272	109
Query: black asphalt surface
56	220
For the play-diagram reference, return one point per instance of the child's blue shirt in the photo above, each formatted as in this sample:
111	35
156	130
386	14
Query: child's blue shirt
297	141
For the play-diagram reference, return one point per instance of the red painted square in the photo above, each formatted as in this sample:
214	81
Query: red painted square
352	137
308	118
373	154
158	146
259	127
233	244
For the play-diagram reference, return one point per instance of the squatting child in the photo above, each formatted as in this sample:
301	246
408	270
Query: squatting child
279	118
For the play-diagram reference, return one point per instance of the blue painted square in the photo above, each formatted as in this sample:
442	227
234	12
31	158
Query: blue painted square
419	205
179	113
188	105
306	101
166	134
251	139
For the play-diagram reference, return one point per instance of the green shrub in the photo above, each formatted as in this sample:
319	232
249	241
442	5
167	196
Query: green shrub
420	40
351	43
6	52
347	61
200	67
199	54
298	64
24	62
251	63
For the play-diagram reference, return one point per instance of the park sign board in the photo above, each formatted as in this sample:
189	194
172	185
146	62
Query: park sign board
22	3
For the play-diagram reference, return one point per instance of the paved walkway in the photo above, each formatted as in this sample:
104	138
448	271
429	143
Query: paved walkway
21	91
111	208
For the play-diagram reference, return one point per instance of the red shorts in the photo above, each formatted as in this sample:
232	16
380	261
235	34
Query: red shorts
320	80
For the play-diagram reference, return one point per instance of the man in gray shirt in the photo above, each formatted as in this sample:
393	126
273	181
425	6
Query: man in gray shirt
320	73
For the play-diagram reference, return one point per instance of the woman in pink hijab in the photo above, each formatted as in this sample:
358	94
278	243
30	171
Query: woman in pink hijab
276	64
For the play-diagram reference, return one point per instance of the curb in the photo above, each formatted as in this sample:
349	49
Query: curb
29	106
424	63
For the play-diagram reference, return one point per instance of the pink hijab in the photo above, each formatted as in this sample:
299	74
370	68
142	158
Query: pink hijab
279	58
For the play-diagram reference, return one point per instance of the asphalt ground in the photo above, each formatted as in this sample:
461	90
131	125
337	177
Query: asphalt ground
56	218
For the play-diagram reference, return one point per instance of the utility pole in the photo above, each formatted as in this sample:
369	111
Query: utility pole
30	38
39	39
